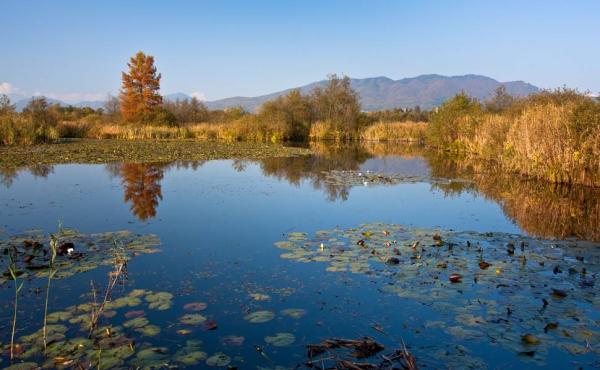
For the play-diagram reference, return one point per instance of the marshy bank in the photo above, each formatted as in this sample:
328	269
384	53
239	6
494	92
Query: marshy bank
106	151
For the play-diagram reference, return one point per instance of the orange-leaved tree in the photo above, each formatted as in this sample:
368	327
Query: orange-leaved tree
139	92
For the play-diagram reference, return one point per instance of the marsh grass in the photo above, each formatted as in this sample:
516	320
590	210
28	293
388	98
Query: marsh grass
412	132
19	130
554	136
330	131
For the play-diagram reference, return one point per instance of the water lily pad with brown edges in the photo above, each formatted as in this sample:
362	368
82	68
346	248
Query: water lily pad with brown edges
295	313
159	300
233	340
138	322
192	319
190	358
195	306
149	330
151	357
134	314
259	317
281	339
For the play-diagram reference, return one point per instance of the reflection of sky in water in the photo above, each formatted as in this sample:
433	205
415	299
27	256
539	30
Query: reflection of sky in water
218	221
86	197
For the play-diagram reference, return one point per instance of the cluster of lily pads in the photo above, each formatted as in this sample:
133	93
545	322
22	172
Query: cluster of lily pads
360	178
31	253
124	333
528	295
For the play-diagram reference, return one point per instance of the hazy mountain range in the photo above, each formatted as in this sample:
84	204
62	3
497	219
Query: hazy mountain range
376	93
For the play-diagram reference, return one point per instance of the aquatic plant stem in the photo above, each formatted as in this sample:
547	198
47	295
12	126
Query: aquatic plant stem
113	277
13	272
54	248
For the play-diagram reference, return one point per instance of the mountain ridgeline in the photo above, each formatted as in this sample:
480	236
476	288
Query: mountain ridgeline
376	93
379	93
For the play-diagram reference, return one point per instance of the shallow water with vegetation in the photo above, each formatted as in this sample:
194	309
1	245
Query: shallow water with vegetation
278	262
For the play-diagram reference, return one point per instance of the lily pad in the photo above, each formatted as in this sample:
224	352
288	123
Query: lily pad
259	317
138	322
190	358
159	301
192	319
295	313
281	339
149	330
219	360
195	306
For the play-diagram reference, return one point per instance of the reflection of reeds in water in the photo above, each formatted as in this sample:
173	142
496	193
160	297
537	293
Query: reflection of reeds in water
538	207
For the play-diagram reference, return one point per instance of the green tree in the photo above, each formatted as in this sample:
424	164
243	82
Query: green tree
454	122
294	110
337	103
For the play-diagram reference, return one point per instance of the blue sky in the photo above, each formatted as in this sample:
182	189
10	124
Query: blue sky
75	50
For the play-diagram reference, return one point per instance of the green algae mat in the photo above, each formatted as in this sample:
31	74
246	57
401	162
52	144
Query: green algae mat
106	151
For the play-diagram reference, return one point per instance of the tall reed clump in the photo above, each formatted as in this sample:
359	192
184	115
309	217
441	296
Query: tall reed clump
413	132
553	135
330	131
557	142
20	130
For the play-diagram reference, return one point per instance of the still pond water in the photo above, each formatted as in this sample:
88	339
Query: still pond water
242	264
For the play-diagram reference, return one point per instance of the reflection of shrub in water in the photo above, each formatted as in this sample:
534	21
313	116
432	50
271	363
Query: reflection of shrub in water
313	167
9	174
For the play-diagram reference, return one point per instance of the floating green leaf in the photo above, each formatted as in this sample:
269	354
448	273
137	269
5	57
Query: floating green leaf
281	339
259	317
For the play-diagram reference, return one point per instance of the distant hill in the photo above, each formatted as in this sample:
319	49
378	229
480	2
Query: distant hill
376	93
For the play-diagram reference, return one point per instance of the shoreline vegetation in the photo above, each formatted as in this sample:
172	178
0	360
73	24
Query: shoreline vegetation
551	135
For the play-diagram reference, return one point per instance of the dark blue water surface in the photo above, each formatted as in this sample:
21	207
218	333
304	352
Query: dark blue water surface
217	222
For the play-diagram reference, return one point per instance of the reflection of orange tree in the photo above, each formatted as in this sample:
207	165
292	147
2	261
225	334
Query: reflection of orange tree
141	184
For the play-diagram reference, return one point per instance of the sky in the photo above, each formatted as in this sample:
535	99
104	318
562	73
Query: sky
76	50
